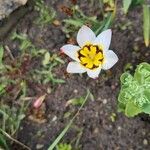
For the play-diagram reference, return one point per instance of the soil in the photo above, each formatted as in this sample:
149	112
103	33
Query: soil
98	130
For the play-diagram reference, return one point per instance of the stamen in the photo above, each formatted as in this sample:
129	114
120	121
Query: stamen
91	56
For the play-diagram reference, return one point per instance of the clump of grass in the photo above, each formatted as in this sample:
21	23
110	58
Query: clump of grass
16	74
11	116
78	18
44	74
25	44
46	14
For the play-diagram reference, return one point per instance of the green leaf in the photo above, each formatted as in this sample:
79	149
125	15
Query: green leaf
132	110
59	60
126	5
64	146
146	24
46	58
61	135
3	144
134	96
137	2
121	107
1	54
146	109
108	22
126	78
58	80
77	22
75	101
142	73
2	88
104	25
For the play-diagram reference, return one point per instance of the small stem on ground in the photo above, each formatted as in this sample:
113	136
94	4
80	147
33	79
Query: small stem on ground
14	140
9	52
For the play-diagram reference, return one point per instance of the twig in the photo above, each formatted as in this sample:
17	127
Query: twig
14	140
9	52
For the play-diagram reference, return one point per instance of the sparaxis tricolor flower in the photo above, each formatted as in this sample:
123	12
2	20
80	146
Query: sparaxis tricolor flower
92	54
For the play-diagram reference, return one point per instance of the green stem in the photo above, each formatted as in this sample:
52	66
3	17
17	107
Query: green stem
52	146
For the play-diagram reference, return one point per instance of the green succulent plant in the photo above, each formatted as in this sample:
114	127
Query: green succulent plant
134	96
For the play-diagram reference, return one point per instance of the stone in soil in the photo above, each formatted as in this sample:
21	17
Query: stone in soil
8	6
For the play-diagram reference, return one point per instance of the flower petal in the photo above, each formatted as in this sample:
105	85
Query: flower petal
104	39
110	59
75	67
93	73
85	35
71	51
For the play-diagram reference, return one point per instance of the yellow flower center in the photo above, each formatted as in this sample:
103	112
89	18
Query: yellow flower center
91	56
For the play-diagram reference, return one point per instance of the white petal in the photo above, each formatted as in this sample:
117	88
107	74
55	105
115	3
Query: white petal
71	51
93	73
104	39
85	35
75	67
110	59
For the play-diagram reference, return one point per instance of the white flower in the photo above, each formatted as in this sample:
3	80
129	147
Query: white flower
92	54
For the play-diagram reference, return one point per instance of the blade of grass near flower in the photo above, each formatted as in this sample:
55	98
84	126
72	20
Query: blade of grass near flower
126	5
3	143
104	25
1	54
146	24
61	135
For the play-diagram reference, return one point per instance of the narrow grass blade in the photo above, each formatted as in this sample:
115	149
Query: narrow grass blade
61	135
107	22
1	54
3	143
146	24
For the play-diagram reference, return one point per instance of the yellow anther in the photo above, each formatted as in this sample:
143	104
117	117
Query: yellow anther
91	56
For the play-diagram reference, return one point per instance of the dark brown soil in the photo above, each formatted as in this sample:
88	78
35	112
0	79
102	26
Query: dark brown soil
99	132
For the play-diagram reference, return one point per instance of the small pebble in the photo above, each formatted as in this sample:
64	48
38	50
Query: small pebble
113	87
104	101
119	128
146	54
143	132
110	126
39	146
145	142
54	118
75	91
96	131
56	23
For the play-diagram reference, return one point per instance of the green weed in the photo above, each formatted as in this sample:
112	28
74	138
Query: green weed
78	19
46	13
11	116
127	4
64	146
15	75
134	96
44	74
